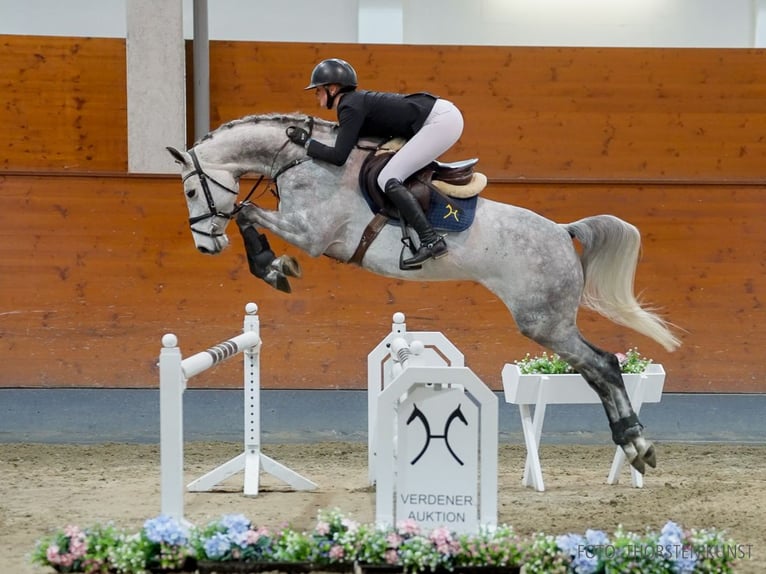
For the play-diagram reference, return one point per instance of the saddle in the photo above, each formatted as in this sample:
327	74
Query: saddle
455	179
447	192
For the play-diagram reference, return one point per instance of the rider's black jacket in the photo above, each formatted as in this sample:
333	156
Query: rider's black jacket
363	113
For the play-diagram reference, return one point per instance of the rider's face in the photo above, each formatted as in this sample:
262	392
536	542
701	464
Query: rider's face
323	93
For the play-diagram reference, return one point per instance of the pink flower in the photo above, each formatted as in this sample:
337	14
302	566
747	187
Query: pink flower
336	552
440	535
391	557
408	526
52	554
394	540
322	528
350	525
252	536
77	547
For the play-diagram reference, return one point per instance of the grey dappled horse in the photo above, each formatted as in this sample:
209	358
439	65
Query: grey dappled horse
528	261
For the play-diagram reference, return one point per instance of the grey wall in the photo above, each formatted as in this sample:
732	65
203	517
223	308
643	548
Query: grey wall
639	23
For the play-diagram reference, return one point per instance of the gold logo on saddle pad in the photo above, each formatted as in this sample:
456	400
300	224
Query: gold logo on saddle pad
452	212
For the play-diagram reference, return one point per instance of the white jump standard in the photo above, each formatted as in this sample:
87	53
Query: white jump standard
436	444
174	373
438	351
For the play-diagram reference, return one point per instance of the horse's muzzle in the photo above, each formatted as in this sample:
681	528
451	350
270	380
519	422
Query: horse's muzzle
219	243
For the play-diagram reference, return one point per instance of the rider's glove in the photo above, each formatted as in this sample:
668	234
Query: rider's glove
298	135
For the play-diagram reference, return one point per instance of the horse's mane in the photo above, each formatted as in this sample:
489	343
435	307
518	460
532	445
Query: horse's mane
293	118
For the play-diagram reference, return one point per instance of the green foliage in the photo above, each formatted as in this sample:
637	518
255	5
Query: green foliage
631	362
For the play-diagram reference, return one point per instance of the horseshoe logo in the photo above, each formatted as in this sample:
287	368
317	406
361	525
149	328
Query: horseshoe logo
452	212
418	414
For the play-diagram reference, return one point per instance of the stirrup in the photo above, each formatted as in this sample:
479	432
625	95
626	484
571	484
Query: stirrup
435	250
407	244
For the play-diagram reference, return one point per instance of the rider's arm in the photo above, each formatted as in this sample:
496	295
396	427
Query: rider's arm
350	123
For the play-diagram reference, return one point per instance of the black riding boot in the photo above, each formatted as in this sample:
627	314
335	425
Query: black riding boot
432	246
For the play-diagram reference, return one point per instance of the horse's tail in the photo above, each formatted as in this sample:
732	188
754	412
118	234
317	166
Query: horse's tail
609	258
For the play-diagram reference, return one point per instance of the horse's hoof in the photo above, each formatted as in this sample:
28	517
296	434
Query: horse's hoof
638	464
639	453
278	281
650	456
287	265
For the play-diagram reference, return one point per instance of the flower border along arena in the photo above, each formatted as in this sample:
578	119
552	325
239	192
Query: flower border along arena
337	542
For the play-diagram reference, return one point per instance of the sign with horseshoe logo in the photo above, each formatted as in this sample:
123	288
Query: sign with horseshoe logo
437	462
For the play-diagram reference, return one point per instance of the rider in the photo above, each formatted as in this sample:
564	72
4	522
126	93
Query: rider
430	124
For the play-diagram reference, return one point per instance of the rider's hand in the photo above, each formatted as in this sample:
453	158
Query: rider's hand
298	135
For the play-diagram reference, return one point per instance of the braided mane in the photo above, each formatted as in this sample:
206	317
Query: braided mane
294	118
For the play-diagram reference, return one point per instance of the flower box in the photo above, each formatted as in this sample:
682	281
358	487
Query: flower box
250	567
540	389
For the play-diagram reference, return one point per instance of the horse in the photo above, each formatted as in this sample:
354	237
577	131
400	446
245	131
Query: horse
531	263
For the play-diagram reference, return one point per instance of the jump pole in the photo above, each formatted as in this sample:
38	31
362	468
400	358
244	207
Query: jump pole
174	374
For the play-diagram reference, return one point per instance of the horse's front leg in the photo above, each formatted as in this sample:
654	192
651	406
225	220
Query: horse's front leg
627	431
297	228
262	261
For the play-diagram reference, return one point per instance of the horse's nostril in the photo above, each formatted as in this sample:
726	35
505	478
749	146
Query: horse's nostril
203	249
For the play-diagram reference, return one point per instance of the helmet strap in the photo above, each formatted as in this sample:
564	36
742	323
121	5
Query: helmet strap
331	98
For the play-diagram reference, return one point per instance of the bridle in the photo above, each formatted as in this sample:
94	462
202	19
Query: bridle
213	211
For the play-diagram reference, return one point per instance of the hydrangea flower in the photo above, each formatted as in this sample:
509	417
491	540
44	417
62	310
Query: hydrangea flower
675	548
233	537
166	529
583	554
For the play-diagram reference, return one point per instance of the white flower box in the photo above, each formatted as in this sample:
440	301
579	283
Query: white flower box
541	390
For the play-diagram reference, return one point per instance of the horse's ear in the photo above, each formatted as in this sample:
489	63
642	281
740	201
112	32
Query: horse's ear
177	155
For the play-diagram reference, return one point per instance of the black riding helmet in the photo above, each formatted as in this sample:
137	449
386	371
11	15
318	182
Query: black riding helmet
333	71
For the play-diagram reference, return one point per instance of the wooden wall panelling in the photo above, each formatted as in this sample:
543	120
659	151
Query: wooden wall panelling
542	113
64	104
96	270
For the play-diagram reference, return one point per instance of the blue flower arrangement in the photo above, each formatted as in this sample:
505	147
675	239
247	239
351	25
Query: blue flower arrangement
162	544
232	538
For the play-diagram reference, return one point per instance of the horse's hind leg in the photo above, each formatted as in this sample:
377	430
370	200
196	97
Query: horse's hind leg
602	372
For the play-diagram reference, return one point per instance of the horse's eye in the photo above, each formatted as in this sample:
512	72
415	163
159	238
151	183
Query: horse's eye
191	193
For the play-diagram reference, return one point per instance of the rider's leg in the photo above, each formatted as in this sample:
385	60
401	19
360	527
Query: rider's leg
440	131
432	246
